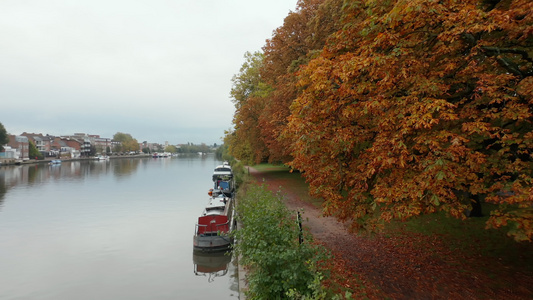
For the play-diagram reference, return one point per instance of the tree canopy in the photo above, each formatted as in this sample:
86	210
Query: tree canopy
171	149
248	93
127	142
33	152
393	109
4	138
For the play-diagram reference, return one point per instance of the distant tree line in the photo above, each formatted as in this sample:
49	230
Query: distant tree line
192	148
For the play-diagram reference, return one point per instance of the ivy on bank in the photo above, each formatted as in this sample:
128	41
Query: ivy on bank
268	243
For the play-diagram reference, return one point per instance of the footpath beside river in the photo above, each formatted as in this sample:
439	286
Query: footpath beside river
401	266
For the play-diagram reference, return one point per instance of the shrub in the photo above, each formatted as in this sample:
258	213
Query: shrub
268	243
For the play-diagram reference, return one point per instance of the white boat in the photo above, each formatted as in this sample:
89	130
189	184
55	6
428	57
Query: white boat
102	157
161	154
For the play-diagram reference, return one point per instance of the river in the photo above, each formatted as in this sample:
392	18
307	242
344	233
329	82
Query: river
117	229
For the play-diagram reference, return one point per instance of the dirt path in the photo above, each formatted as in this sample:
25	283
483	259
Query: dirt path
399	268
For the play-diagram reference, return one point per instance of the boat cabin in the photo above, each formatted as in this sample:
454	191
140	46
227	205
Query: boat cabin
223	182
216	206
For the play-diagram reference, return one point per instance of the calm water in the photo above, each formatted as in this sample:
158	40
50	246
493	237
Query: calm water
120	229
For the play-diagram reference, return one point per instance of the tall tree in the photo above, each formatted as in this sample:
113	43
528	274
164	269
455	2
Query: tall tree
419	106
34	152
4	138
266	85
248	93
304	32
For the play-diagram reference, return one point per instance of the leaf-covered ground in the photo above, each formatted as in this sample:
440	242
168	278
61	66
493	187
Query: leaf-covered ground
405	265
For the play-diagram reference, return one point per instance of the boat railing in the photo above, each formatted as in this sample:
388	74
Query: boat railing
223	224
196	228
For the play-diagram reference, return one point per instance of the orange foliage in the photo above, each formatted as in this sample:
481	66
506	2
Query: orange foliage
291	45
417	105
404	108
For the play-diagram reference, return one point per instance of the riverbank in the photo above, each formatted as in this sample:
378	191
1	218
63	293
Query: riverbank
401	264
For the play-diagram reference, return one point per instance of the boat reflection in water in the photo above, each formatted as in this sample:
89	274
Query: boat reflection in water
211	265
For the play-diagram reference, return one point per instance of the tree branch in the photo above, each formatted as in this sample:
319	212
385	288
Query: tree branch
492	51
507	63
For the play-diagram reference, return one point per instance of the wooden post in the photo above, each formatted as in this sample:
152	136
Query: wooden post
299	219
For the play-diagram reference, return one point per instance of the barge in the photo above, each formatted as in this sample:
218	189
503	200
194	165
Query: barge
212	232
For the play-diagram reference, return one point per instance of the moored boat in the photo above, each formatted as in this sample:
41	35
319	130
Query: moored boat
223	182
161	154
214	225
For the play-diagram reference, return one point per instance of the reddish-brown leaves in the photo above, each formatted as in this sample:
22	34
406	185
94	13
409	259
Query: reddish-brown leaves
399	108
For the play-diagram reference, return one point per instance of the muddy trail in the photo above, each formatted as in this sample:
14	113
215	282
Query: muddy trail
403	266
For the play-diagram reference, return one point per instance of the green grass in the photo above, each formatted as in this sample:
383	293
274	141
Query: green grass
470	237
279	170
294	181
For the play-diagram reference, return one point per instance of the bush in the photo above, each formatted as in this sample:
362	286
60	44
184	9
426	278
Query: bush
34	153
268	243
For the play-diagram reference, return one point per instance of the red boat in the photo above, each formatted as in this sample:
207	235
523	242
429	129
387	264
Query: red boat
214	225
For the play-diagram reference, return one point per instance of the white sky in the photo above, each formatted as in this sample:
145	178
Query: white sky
159	70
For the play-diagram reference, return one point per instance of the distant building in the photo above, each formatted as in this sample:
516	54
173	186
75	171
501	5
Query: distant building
102	145
67	147
17	148
41	142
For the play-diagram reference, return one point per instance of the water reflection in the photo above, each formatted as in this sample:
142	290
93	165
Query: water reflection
36	174
126	167
3	189
211	265
42	173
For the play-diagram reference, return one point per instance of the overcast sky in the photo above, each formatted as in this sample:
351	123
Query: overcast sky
159	70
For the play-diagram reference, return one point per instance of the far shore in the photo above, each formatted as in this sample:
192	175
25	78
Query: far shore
11	161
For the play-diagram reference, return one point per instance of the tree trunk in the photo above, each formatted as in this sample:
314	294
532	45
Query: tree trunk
476	207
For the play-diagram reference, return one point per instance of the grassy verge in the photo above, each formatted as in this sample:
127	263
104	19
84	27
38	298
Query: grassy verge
281	266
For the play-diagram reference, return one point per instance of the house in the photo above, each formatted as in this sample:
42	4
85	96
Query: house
92	143
17	148
66	147
102	145
85	147
41	142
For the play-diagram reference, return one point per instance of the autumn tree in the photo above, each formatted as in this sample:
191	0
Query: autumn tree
420	106
248	94
303	33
